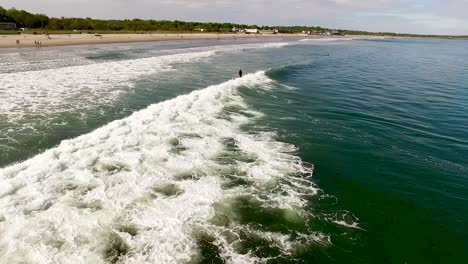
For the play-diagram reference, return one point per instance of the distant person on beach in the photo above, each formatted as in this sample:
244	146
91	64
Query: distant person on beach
240	73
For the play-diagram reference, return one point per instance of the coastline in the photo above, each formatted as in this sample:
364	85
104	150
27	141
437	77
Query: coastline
28	40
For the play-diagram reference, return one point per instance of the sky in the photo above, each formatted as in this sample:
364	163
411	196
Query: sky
402	16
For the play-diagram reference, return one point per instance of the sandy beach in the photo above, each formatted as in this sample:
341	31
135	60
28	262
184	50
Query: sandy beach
29	40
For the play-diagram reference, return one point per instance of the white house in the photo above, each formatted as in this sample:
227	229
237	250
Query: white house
274	31
252	31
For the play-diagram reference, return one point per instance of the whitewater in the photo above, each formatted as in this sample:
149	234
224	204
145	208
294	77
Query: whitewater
110	155
146	188
42	92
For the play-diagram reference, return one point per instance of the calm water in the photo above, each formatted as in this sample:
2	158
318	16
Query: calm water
326	151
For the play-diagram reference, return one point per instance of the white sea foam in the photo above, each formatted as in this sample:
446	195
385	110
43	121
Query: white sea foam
77	87
231	48
343	223
141	189
17	65
34	98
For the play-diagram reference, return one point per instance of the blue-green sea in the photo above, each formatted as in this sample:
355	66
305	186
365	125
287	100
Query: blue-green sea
338	150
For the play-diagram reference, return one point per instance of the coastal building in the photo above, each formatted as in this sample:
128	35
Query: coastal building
252	31
200	29
274	31
7	25
334	33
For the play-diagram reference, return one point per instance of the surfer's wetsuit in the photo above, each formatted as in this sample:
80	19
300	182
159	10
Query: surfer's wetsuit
240	73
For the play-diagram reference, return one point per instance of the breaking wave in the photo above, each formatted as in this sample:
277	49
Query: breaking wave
35	101
178	181
42	98
78	87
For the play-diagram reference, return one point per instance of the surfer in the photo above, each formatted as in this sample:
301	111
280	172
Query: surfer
240	73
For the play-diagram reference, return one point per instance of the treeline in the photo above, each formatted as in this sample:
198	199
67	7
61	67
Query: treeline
133	25
24	19
297	29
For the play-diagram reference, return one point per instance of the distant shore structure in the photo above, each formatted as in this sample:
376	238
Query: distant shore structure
334	33
252	31
7	25
272	31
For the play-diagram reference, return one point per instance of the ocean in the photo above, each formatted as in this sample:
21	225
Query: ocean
335	150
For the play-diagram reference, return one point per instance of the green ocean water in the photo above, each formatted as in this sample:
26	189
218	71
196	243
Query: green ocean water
371	138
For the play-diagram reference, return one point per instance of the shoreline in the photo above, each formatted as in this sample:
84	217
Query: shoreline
54	40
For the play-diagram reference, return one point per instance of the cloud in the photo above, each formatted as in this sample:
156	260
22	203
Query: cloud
365	4
435	22
451	8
